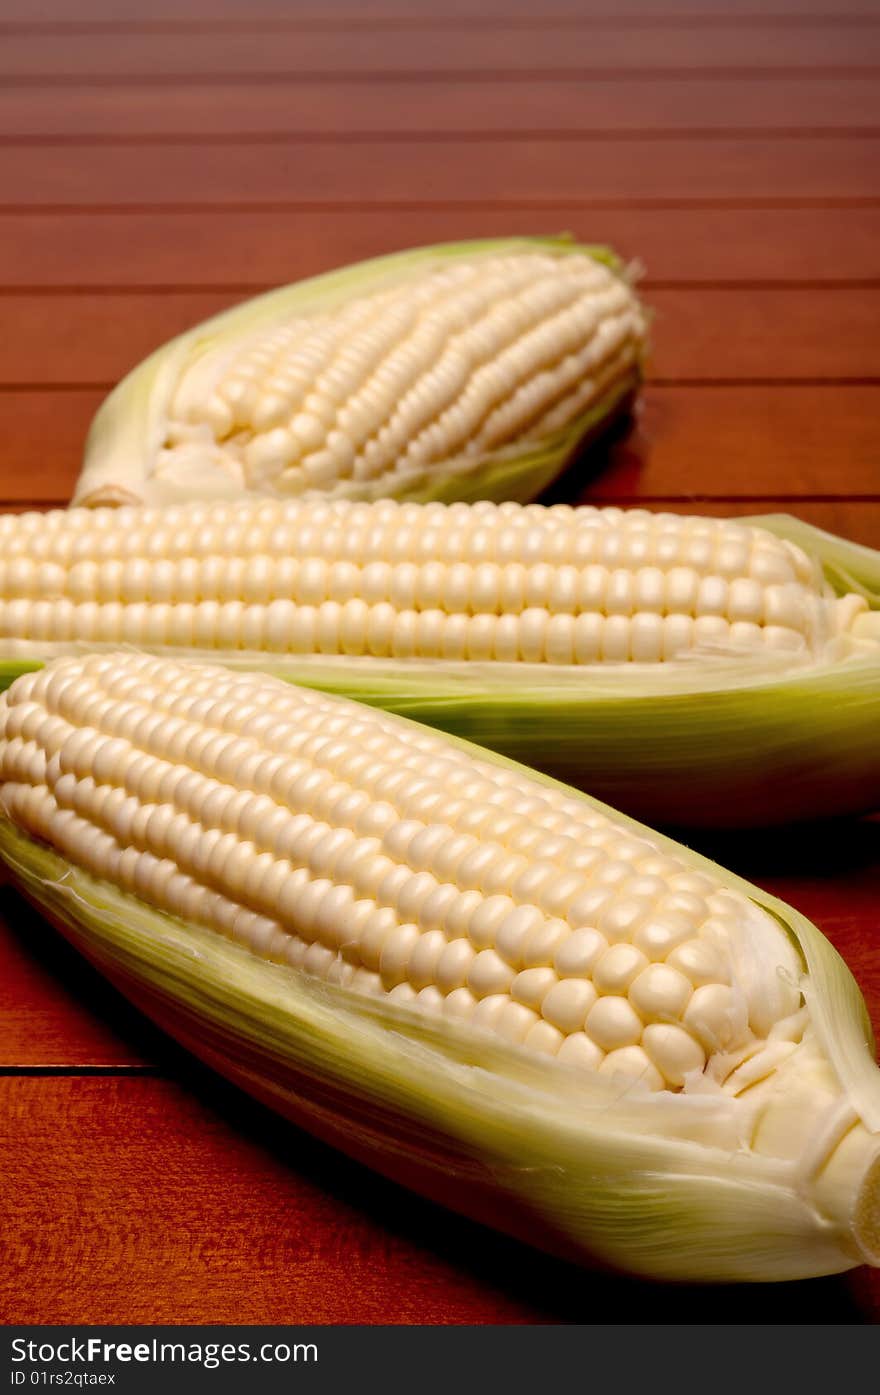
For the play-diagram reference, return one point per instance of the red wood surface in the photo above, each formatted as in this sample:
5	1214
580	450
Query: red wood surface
389	50
247	249
734	154
364	169
650	105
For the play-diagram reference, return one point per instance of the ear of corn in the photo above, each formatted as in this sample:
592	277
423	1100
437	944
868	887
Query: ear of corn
481	982
465	371
689	670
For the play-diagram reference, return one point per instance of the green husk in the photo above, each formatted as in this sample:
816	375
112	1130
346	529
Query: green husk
128	429
667	1185
713	740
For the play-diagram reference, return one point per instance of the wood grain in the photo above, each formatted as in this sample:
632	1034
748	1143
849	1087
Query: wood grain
728	441
251	248
388	50
371	171
406	109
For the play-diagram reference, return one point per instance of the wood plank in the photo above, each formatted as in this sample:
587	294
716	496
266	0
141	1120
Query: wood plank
386	50
43	443
731	441
785	333
648	106
475	172
146	1201
745	442
712	334
251	248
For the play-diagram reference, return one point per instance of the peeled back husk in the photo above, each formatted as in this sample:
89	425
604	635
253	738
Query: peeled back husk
725	734
463	371
763	1165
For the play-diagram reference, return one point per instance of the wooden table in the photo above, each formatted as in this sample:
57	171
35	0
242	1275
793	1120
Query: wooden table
156	164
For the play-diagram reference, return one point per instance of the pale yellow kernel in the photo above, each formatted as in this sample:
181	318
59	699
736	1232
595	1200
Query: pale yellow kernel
613	1022
712	596
700	962
567	1003
649	590
696	908
460	1003
623	916
660	934
515	1021
616	639
782	639
631	1065
718	1016
770	564
532	635
532	985
587	639
430	999
646	638
514	930
453	965
682	584
422	964
436	906
489	974
617	967
745	600
544	1038
673	1051
678	635
581	1052
614	869
490	1009
486	920
711	630
585	909
318	959
542	943
559	894
377	929
576	956
660	993
559	640
402	993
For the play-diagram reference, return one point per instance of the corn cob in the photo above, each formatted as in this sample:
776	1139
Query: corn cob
471	370
515	984
672	664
